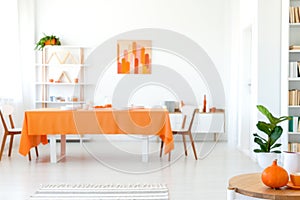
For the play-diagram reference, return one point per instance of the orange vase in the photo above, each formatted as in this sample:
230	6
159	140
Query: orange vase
204	104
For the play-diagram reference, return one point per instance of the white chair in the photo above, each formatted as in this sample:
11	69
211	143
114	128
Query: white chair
7	110
188	113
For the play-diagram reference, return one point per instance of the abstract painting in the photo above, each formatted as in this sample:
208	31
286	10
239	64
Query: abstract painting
134	56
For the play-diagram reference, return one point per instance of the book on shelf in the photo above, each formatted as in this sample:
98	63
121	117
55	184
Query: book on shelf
294	97
294	47
294	14
294	124
293	146
294	69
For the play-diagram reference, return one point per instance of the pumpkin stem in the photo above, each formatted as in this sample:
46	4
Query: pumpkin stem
275	162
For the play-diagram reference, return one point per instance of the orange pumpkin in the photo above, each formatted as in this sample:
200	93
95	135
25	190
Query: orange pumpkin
275	176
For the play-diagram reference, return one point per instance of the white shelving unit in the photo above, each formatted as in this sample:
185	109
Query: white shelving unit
60	79
291	80
60	76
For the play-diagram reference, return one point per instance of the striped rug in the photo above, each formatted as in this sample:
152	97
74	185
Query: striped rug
103	192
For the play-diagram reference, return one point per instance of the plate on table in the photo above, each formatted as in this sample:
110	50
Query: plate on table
291	185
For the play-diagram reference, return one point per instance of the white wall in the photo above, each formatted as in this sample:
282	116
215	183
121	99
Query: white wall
92	22
265	22
269	54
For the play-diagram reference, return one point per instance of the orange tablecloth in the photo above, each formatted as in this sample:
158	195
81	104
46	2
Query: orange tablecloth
41	122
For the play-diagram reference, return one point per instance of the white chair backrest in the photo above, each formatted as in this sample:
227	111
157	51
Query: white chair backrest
188	111
7	109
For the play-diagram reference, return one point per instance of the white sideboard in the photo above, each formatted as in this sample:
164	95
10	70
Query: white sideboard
213	122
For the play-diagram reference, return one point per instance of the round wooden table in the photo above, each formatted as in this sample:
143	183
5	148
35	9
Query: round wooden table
252	186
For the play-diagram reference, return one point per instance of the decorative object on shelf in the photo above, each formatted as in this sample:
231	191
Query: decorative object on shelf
213	109
134	56
275	176
64	75
65	57
204	104
47	40
273	133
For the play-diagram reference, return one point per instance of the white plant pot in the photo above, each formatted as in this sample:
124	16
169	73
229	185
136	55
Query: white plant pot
291	161
265	160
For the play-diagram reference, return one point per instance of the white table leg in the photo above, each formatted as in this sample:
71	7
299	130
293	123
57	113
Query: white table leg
52	140
53	153
145	148
62	145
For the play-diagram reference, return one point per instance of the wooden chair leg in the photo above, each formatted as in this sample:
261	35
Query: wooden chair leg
184	144
2	145
29	156
193	145
161	148
36	151
10	145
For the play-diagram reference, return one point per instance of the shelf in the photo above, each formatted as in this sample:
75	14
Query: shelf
66	47
296	25
294	106
60	84
294	133
60	65
294	51
294	79
61	102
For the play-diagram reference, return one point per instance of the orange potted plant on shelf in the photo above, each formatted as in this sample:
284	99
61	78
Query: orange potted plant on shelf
47	40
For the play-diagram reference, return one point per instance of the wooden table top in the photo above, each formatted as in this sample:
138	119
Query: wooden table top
252	186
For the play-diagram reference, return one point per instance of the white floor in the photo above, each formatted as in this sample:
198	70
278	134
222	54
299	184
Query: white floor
113	162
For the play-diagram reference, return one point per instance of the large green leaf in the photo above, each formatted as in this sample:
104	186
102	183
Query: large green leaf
265	127
276	151
273	120
275	146
275	135
256	135
263	146
258	150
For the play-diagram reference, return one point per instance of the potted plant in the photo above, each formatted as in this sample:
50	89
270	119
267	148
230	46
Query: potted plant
47	40
267	150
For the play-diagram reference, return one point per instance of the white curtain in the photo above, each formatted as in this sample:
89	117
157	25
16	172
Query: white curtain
17	61
9	51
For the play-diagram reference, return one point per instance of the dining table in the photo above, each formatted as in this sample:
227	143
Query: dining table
43	124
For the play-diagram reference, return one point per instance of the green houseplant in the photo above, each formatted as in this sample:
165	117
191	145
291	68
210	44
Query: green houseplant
47	40
272	130
267	152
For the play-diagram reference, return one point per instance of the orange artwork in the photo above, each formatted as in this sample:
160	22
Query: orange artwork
134	56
